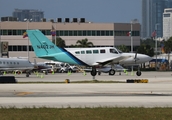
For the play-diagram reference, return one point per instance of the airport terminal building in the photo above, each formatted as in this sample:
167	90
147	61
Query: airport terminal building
100	34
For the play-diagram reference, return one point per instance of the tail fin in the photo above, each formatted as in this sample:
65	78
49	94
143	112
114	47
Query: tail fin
41	44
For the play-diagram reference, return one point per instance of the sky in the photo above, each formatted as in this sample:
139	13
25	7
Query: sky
104	11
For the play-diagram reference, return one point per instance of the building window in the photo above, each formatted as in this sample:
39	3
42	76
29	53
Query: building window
79	33
15	48
70	33
57	33
75	33
61	33
4	32
98	33
107	33
10	32
66	33
24	48
93	33
88	32
111	33
15	32
84	33
102	33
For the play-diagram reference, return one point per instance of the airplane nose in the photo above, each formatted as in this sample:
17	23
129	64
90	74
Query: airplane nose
148	58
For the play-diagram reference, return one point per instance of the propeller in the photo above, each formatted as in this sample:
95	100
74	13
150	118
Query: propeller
135	57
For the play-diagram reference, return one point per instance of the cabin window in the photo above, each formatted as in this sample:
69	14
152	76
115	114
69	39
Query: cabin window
113	51
82	52
10	62
95	51
7	62
0	62
102	51
14	63
18	63
77	52
88	51
3	62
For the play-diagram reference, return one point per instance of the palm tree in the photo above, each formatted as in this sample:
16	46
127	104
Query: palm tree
123	48
84	43
60	42
146	49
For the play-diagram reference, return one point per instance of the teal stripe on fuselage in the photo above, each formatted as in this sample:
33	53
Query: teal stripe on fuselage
73	58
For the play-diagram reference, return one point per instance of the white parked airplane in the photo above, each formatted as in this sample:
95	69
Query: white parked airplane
97	56
13	64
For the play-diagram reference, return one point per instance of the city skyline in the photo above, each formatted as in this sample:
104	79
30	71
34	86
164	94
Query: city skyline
119	11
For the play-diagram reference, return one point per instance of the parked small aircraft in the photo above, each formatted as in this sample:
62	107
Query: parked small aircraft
41	67
96	56
15	64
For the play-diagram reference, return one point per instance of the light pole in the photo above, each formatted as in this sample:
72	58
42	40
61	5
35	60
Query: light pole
131	34
55	34
156	27
131	37
0	41
27	26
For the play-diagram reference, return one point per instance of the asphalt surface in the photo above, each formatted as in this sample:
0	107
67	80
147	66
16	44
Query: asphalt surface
156	93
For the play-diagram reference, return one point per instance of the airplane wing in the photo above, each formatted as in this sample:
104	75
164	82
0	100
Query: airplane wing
112	60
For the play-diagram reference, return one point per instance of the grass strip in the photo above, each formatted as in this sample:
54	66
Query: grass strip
99	113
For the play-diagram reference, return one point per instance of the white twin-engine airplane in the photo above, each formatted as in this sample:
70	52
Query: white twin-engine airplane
13	64
93	57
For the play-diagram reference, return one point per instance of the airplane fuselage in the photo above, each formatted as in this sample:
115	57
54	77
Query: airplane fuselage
8	64
94	56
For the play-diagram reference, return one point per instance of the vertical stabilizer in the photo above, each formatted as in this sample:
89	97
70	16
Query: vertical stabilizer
41	44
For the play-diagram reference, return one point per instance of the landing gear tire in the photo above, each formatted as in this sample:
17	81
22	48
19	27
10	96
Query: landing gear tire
138	73
99	73
112	72
93	72
46	72
27	75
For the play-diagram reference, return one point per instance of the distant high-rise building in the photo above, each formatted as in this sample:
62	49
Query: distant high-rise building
152	16
167	23
22	14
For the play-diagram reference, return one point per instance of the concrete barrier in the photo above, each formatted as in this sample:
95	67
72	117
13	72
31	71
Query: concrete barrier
7	79
137	81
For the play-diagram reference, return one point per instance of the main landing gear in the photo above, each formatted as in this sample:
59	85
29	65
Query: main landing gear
93	71
138	73
112	72
28	73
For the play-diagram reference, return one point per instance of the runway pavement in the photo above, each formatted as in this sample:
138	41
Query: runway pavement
156	93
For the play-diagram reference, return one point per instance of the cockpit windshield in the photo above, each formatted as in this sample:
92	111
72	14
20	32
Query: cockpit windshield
111	50
119	51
